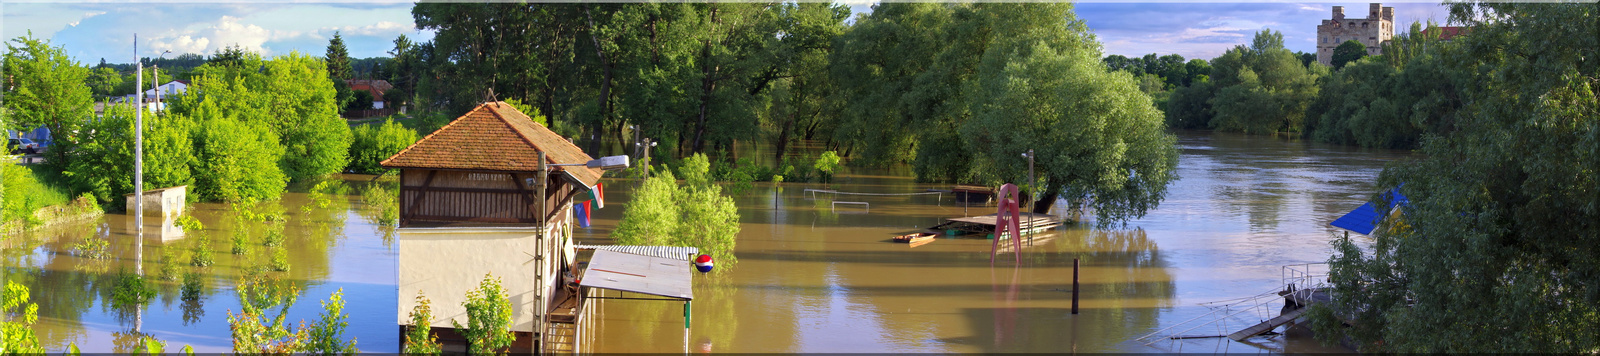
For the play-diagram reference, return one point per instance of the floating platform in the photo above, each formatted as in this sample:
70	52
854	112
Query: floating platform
1028	222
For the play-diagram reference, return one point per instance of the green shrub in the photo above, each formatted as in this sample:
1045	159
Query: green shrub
202	250
326	336
237	161
22	193
418	339
16	329
170	267
488	329
695	214
254	332
825	165
280	260
91	248
371	144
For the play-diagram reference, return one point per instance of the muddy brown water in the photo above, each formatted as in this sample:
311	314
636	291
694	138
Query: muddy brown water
810	278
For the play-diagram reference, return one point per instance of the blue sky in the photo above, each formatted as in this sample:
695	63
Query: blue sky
91	31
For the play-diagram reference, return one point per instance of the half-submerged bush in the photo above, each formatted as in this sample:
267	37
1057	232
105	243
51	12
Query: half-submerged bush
488	328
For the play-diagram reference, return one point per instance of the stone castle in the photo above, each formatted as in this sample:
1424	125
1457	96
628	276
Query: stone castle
1373	31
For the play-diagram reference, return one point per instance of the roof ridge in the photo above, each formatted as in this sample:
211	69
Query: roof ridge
525	138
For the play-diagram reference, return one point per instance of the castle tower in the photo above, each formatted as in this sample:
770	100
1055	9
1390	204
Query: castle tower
1372	31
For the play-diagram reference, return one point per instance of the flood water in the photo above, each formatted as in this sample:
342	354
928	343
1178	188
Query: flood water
809	278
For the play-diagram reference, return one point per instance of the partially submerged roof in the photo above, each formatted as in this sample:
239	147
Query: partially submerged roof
675	252
666	277
495	137
1365	218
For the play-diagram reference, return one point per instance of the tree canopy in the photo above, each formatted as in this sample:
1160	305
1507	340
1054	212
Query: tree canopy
1347	52
1497	249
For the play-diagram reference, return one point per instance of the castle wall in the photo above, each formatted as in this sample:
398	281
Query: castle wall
1372	31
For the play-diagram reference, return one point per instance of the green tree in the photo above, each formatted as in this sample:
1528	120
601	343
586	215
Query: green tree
695	214
1498	235
338	64
488	329
371	144
45	88
16	329
1099	142
1264	88
103	80
1347	52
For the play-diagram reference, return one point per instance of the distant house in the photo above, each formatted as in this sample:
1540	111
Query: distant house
1446	32
376	87
176	87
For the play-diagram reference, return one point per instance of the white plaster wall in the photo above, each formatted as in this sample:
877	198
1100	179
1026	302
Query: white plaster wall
445	263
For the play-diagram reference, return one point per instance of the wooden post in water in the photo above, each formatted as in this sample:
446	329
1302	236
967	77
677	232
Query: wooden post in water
1074	286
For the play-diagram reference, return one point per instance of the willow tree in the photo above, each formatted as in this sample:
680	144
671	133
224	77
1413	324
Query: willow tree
1098	141
1499	247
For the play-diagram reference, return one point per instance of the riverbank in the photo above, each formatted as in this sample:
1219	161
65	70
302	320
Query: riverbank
82	208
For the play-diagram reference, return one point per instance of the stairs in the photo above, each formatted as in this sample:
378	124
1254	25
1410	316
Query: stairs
560	337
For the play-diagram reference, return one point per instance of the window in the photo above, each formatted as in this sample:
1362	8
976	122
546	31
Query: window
1363	25
1352	24
1324	40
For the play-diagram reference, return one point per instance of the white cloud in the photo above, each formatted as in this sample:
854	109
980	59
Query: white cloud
227	31
382	28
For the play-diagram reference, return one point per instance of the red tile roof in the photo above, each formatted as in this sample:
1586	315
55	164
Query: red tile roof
494	137
1446	33
376	87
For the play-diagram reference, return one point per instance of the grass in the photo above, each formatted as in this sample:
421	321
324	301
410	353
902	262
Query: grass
25	192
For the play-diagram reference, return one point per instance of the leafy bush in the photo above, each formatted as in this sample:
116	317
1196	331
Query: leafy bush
91	247
695	214
488	329
371	144
253	331
826	164
418	339
170	267
237	161
16	330
326	336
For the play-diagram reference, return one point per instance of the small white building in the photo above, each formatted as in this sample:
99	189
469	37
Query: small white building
176	87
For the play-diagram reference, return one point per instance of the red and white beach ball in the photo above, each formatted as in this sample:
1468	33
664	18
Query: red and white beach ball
703	263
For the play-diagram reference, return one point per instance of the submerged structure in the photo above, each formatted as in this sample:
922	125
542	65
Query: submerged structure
489	194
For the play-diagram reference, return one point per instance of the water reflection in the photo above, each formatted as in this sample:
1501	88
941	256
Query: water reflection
809	279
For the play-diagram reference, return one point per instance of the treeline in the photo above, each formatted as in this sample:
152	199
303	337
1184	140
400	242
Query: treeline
1498	249
246	127
1391	100
694	77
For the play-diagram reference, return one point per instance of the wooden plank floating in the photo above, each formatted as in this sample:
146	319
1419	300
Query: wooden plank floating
984	224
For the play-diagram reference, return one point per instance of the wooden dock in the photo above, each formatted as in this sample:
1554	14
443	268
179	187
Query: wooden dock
984	224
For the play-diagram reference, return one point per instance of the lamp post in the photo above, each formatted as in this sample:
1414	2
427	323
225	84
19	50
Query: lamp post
155	80
646	144
1031	181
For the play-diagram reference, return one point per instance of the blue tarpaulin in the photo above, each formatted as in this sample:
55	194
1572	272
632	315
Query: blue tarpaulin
1365	218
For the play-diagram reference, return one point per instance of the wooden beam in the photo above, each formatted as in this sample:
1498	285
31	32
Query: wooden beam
421	194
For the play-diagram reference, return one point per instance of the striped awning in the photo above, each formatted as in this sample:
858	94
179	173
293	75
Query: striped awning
673	252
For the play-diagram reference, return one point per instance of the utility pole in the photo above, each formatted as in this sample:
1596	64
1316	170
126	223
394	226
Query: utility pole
1031	195
138	157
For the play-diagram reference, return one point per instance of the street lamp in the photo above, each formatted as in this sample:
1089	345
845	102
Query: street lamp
646	144
1031	181
156	81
